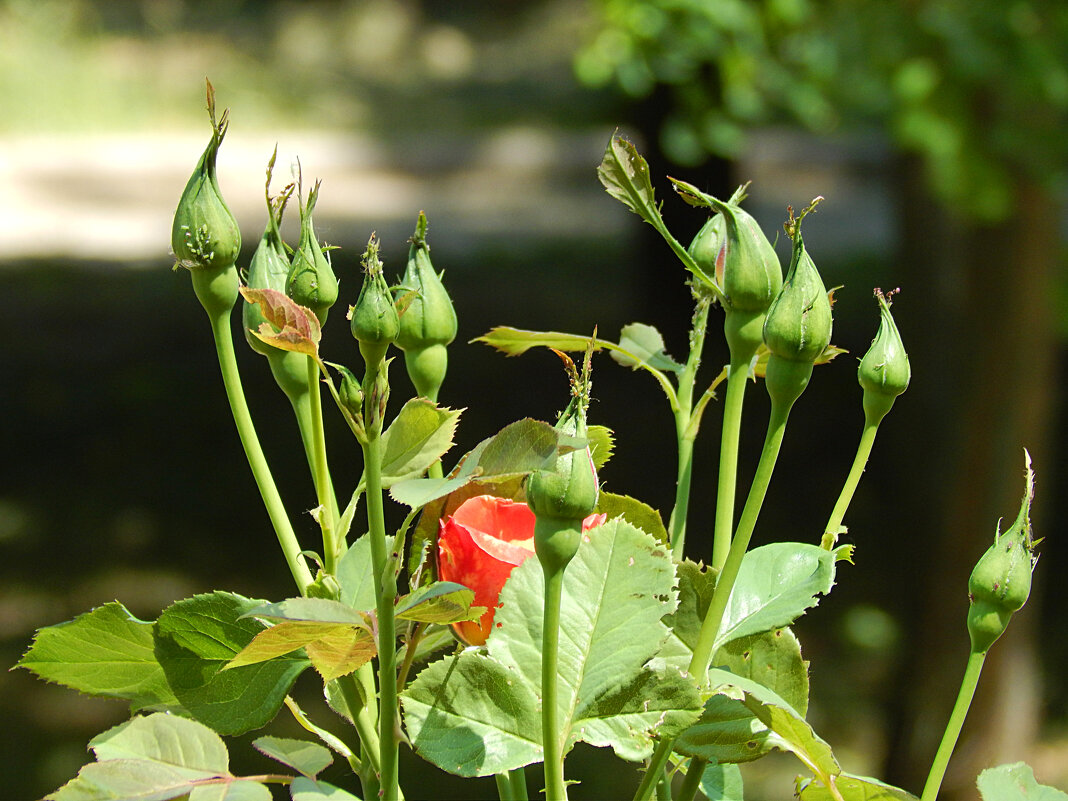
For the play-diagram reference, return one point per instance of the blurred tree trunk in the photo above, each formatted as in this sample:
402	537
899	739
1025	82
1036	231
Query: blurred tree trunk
986	311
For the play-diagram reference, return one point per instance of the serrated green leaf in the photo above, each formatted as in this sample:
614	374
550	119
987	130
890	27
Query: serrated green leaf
516	341
472	716
775	585
638	514
309	790
441	602
516	450
602	445
772	659
342	652
642	345
621	580
722	783
106	652
321	610
195	638
419	435
236	790
355	574
1015	782
307	758
286	637
857	788
152	758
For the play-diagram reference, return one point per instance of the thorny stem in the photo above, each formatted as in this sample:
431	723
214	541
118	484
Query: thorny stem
834	524
261	472
953	727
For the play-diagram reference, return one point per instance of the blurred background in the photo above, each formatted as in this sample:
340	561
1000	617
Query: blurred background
934	128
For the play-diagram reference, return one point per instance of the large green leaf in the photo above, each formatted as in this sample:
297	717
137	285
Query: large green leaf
156	758
420	434
309	759
106	652
196	638
1015	782
860	788
616	590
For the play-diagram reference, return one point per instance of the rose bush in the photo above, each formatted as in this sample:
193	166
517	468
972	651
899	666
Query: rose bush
480	545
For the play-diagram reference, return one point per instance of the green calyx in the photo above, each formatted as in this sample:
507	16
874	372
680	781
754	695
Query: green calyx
204	234
561	498
311	281
1001	581
884	371
374	320
427	320
798	325
269	267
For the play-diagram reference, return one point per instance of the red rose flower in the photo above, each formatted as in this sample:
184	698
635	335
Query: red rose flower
480	545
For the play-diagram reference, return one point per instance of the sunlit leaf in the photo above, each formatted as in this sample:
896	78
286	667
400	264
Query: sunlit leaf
286	637
642	344
419	435
859	788
304	789
306	758
341	652
1015	782
638	514
441	602
602	444
289	325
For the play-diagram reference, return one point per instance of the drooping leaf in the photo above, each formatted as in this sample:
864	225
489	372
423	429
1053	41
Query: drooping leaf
158	757
304	789
440	602
722	783
321	610
341	652
642	344
289	325
309	759
1015	782
859	788
638	514
355	574
195	638
286	637
419	435
602	444
726	732
106	652
621	580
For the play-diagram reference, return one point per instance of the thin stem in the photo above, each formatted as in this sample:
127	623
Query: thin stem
654	771
702	653
956	721
684	435
663	787
362	719
327	503
409	654
504	787
695	771
287	538
385	592
518	778
727	483
555	789
834	524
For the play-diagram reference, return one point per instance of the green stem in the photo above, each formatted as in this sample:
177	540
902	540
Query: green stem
702	653
363	720
727	483
956	721
518	778
504	786
654	771
663	787
385	593
287	538
684	435
327	503
555	788
834	524
695	771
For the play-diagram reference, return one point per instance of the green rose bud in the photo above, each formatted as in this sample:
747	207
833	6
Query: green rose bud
204	234
561	498
311	281
428	323
1001	581
884	371
374	319
270	266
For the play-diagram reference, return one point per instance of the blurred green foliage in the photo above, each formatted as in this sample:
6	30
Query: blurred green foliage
977	88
